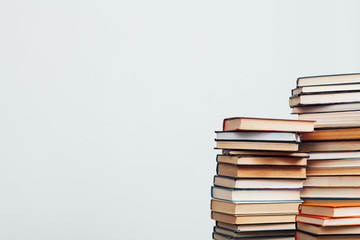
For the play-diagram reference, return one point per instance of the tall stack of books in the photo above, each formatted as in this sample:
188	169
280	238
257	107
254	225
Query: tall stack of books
333	101
331	221
260	174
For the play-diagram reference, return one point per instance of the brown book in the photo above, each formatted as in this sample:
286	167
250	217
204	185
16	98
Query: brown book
261	171
218	236
250	183
325	98
329	79
341	163
333	119
307	236
257	227
326	108
252	219
254	208
324	146
325	89
334	155
333	171
268	153
254	234
332	134
329	230
252	145
262	160
332	181
346	193
267	124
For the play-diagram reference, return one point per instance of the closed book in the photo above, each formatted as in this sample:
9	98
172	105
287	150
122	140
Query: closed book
334	79
331	200
255	195
300	235
332	181
333	171
234	234
254	208
267	124
325	89
267	153
328	230
333	119
252	219
334	163
218	236
257	227
323	108
331	192
325	98
257	145
332	134
231	182
334	155
258	136
324	146
331	209
262	160
261	171
328	221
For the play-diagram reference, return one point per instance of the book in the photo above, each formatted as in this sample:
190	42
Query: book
254	208
257	227
324	146
333	119
328	221
331	200
218	236
329	230
267	153
252	145
258	136
252	219
334	155
325	89
241	235
255	195
230	170
325	98
262	160
267	124
231	182
334	163
332	134
330	192
328	79
300	235
331	209
332	181
333	171
323	108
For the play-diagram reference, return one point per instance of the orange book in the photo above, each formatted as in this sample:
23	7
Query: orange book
331	209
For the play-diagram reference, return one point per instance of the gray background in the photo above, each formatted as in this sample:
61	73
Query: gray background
108	107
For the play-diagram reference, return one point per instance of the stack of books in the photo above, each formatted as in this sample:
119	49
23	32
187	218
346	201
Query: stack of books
331	221
333	101
260	174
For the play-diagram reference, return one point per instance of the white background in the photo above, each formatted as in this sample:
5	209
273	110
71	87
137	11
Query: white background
108	107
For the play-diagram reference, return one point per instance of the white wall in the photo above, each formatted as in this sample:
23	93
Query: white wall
108	107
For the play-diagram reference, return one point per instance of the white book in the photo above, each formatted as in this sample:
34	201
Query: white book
258	136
